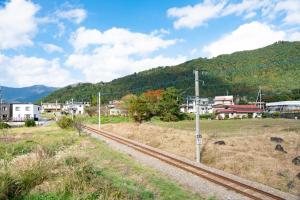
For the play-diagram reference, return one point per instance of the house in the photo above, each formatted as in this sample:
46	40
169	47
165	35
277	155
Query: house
115	108
76	108
51	107
223	100
23	111
283	106
237	111
5	111
205	107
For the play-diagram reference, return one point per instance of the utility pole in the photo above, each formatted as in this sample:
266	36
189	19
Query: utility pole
0	103
99	111
260	106
72	108
258	99
56	110
198	135
187	104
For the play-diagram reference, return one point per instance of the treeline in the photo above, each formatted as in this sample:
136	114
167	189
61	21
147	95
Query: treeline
275	68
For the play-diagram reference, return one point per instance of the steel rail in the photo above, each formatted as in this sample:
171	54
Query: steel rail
242	188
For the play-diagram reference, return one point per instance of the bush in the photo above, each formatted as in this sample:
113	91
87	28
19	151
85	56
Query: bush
65	122
276	114
4	125
206	116
30	123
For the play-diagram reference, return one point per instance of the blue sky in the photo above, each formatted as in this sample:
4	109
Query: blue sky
57	42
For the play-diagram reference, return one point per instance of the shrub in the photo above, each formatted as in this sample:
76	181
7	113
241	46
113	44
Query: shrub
30	123
91	111
65	122
4	125
276	114
206	116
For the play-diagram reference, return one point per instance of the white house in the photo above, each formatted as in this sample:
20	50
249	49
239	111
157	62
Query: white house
23	111
77	108
51	107
115	108
190	107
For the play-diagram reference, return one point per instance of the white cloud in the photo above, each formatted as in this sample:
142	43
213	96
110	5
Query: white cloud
246	37
197	15
76	15
291	9
17	24
193	16
103	56
27	71
119	40
50	48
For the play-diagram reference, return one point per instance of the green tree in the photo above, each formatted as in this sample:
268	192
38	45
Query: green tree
138	109
169	105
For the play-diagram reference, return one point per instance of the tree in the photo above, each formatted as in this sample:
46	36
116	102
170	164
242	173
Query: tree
92	110
153	98
169	105
138	109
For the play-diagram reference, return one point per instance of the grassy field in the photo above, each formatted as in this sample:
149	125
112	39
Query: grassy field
51	163
106	119
224	128
248	151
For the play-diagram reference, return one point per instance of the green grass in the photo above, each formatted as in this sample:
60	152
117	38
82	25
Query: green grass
234	127
106	119
68	166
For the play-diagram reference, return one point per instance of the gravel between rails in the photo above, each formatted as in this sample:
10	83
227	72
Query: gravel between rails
185	179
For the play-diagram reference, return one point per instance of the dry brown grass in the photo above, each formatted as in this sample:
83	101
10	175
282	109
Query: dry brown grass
251	155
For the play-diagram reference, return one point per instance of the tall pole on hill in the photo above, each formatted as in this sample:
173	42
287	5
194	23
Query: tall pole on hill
198	135
99	111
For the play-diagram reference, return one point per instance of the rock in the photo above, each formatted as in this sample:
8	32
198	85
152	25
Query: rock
280	148
281	174
298	175
276	139
220	142
296	160
291	185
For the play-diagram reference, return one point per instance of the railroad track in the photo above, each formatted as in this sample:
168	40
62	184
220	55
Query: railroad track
242	188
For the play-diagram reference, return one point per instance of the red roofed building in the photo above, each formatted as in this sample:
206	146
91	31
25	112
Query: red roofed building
237	111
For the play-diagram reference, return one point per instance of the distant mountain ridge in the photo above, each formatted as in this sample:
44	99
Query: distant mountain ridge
274	68
26	94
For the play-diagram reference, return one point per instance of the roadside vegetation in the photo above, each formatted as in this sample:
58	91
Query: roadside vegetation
54	163
240	147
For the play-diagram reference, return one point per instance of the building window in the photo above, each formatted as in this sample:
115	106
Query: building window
27	108
4	108
18	109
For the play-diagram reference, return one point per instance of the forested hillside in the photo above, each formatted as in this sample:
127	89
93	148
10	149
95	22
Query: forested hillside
25	94
276	68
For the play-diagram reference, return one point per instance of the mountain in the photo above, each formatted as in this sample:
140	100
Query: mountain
275	68
26	94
